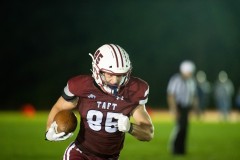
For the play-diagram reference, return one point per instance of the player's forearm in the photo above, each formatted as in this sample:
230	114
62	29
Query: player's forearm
61	104
143	132
51	116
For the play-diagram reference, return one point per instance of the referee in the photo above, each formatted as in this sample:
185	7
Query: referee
181	97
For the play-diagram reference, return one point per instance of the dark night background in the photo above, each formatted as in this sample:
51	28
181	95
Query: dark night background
44	43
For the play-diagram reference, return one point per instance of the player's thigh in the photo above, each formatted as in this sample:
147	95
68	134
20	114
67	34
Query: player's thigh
73	153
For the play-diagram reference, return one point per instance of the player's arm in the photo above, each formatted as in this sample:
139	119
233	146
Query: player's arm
142	128
60	105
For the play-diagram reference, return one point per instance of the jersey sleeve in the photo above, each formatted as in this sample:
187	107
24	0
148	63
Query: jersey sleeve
67	94
75	87
144	99
140	91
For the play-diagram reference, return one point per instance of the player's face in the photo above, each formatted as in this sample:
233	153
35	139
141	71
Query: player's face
113	80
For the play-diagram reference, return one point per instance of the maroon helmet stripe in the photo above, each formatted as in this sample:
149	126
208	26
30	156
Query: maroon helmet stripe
120	54
115	54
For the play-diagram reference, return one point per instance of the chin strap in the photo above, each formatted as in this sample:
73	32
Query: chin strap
110	89
114	89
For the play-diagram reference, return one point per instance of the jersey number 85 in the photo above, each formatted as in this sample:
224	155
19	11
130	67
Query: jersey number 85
95	121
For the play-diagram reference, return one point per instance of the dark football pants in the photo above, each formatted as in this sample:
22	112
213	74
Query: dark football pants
180	131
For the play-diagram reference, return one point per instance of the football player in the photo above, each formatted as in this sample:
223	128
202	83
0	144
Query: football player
105	101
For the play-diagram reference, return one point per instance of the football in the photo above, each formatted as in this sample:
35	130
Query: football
66	121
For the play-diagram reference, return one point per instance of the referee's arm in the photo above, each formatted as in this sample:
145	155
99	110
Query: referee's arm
172	103
171	99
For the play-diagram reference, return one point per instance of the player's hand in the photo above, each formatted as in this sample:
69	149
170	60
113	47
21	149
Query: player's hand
52	134
123	123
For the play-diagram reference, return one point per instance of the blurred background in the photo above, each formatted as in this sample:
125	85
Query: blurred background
44	43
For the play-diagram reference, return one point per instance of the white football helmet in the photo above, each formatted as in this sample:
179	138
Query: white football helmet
113	59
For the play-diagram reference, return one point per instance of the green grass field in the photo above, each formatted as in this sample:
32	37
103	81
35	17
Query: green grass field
22	138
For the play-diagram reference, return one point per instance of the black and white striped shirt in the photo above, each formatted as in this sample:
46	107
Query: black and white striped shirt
184	90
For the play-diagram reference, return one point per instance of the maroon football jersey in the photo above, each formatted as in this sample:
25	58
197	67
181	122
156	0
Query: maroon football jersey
98	128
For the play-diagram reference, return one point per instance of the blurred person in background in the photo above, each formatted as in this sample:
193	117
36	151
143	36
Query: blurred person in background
203	90
223	93
237	100
181	97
